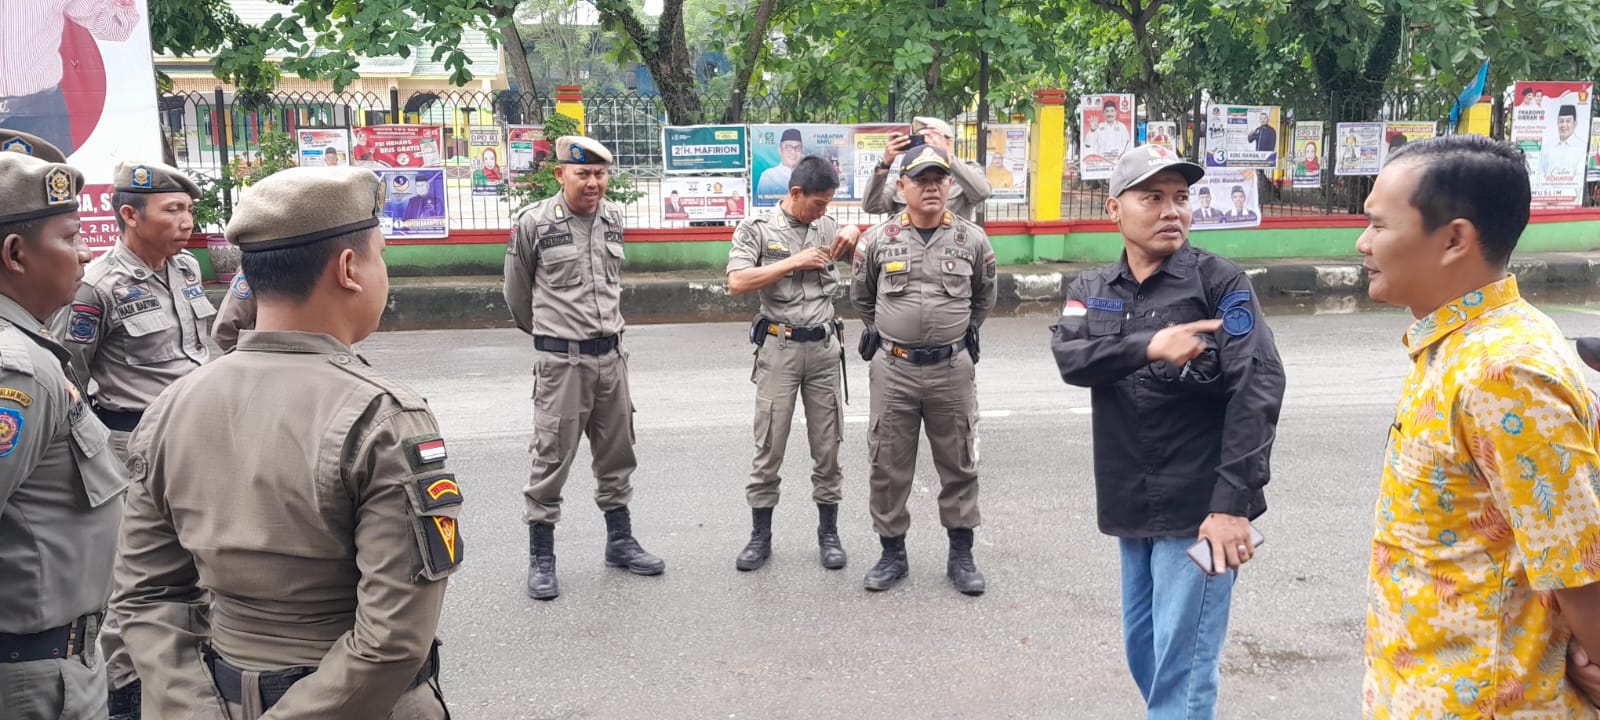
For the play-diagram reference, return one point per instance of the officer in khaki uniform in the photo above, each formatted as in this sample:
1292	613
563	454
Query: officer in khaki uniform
60	485
141	318
969	186
924	282
787	257
306	577
237	313
563	284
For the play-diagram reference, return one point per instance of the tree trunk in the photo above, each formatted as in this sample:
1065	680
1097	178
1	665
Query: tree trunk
665	54
753	45
517	55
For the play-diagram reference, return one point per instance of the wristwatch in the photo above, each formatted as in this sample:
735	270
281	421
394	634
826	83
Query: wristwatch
883	165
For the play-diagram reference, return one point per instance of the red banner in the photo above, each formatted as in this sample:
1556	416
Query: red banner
398	146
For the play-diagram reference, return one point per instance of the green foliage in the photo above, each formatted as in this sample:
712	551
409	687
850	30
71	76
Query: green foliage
528	189
278	152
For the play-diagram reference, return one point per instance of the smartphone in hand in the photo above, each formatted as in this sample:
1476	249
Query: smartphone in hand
1200	552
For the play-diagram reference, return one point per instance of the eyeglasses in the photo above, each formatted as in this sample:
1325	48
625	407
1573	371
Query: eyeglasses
791	147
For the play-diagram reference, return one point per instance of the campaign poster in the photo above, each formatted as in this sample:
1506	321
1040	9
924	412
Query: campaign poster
1225	199
1242	136
1396	133
414	206
323	147
89	89
1007	166
704	198
487	153
398	146
1547	124
1594	149
527	148
1105	127
776	149
704	149
1163	133
1307	154
1358	148
869	142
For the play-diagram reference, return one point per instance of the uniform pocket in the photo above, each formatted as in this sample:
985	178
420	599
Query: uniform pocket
1104	322
559	266
547	438
435	501
101	471
202	307
957	277
894	283
615	254
763	425
151	338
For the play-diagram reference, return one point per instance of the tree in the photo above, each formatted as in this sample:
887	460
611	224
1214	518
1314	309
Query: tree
662	49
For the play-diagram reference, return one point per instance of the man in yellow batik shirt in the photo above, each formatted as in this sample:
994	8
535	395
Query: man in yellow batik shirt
1487	543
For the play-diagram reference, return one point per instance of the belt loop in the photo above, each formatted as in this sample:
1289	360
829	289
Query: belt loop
574	349
250	694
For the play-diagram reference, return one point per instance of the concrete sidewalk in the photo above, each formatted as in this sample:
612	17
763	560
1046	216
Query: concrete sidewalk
476	301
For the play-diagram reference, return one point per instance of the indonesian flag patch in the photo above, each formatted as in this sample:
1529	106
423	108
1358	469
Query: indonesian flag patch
425	451
1074	308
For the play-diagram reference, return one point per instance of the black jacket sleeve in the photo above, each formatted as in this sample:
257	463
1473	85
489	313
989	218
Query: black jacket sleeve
1252	375
1086	360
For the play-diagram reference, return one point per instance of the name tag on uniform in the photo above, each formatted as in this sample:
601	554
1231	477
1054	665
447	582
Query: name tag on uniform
1107	304
896	266
775	250
193	292
613	236
554	236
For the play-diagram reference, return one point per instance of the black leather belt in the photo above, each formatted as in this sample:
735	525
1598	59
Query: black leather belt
598	346
119	420
275	684
797	333
55	643
922	356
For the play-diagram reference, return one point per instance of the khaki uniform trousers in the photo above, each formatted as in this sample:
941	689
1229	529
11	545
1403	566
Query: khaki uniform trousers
69	689
119	665
942	399
573	395
784	368
418	703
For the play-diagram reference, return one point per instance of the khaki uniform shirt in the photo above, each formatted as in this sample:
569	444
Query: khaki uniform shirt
58	483
307	493
924	293
134	330
563	272
969	189
238	313
803	297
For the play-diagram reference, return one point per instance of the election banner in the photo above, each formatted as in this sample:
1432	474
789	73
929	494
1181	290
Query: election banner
1307	153
1105	127
1007	166
527	149
704	198
1163	133
1546	123
869	142
82	80
1242	136
704	149
414	206
1359	148
1594	149
1225	199
776	149
398	146
1397	133
485	150
323	147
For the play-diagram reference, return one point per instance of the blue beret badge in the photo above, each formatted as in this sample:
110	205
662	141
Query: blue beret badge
17	145
141	177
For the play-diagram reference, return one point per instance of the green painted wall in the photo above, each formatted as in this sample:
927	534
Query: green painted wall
1092	247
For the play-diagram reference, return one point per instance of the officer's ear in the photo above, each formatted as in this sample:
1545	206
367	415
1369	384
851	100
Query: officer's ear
1114	209
11	251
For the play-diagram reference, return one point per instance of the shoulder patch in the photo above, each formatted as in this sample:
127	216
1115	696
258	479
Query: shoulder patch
1237	297
17	396
240	288
84	325
438	490
445	549
10	430
1107	304
425	451
1238	320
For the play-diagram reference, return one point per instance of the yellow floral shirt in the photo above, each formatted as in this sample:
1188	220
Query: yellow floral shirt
1490	500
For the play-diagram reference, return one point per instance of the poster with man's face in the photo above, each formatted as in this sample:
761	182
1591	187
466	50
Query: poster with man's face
80	76
1548	126
1105	127
775	150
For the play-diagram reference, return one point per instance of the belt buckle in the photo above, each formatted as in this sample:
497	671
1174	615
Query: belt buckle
899	352
788	332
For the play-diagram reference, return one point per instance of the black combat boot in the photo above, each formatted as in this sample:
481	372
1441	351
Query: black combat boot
892	567
828	545
755	554
624	551
963	574
542	583
124	702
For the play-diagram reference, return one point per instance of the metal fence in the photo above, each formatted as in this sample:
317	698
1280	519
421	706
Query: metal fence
210	130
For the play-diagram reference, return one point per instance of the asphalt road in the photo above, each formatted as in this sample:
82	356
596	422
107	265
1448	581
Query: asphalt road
796	641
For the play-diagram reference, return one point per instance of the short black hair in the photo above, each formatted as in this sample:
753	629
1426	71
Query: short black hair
291	273
1527	91
28	229
1476	179
814	175
136	201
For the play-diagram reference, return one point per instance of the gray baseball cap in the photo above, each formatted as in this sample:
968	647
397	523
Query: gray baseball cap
1138	164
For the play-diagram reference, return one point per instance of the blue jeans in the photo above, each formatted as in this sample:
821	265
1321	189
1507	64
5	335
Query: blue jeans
1174	619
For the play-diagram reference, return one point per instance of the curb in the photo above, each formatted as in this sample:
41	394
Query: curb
477	302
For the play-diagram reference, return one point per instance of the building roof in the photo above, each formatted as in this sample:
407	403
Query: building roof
484	58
